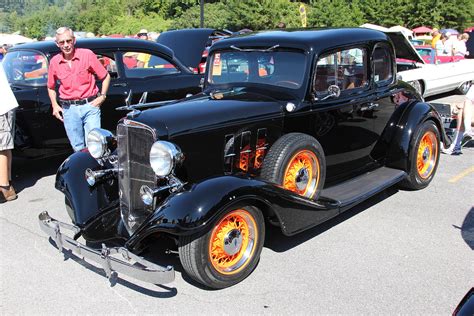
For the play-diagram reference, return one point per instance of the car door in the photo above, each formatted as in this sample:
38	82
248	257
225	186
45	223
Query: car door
27	72
343	124
383	105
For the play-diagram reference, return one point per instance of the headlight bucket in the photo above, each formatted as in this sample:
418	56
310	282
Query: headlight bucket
100	143
164	157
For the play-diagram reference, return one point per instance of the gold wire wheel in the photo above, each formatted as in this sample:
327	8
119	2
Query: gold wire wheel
302	174
233	242
427	155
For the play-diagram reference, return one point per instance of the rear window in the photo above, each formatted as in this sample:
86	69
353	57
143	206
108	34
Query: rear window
26	67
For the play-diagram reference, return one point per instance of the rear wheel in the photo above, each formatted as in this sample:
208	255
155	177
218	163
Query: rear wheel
296	163
418	86
227	253
423	157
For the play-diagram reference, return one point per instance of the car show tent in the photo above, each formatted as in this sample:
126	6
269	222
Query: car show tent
13	39
421	30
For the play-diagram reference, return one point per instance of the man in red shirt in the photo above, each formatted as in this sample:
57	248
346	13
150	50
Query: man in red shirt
79	97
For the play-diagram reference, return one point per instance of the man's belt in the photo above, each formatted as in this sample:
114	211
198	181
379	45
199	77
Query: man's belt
77	102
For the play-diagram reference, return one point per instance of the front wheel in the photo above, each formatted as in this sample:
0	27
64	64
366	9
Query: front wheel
418	86
423	157
228	252
464	88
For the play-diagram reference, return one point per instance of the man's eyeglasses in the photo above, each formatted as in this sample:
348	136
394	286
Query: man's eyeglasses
142	34
68	41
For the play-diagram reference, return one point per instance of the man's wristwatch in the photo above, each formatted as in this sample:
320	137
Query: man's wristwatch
101	95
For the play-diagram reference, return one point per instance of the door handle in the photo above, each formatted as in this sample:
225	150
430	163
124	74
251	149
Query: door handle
122	84
369	106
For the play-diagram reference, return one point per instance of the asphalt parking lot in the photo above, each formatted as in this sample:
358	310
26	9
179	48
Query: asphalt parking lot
400	252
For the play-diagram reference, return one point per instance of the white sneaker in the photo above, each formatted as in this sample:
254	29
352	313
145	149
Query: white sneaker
451	151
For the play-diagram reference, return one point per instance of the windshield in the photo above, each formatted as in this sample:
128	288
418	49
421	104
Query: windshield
277	68
26	67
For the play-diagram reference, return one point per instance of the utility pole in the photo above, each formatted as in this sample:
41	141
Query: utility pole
202	13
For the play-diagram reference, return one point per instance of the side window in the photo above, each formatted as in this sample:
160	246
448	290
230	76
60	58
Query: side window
107	60
346	69
382	59
143	65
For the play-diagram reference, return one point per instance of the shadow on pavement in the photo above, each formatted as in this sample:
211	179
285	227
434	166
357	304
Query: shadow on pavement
276	241
26	172
467	229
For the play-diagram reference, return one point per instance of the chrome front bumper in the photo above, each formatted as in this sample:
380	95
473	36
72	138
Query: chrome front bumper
128	264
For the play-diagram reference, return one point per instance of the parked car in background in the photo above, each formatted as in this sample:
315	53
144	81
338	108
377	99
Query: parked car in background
164	77
428	73
200	38
292	128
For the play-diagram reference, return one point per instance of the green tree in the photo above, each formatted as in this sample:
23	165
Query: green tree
334	13
216	16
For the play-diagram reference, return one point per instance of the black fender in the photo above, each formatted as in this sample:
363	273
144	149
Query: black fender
413	115
86	202
198	206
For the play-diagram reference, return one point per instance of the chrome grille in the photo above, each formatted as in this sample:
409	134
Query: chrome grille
134	143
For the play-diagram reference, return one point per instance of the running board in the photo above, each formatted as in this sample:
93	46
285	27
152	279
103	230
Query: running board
362	187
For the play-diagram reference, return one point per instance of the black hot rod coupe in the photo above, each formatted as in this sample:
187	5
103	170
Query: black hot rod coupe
293	127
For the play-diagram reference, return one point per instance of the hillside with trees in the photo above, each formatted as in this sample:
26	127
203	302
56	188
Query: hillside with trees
38	18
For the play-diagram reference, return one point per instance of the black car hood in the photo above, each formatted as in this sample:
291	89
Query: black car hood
187	44
204	112
403	48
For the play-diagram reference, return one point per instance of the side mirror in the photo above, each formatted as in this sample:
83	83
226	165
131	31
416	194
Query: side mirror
334	91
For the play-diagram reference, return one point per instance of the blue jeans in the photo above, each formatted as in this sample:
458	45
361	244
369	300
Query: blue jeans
79	120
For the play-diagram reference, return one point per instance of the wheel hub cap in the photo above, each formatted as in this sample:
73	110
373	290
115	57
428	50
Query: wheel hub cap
232	242
302	178
427	155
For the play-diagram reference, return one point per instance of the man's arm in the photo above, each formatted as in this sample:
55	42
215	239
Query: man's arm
103	93
57	110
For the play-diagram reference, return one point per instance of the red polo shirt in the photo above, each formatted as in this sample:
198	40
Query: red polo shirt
77	80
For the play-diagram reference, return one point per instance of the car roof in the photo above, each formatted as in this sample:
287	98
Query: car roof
100	43
315	40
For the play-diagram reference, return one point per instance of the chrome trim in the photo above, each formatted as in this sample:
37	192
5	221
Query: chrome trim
128	264
135	124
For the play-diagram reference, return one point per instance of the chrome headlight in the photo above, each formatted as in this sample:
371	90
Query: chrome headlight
164	157
99	142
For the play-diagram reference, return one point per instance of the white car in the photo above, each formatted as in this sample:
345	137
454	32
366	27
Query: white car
434	77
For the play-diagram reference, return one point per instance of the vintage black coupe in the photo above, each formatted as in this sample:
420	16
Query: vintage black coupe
164	77
293	127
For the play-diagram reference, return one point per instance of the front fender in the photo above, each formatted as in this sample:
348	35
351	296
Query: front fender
413	116
198	206
86	202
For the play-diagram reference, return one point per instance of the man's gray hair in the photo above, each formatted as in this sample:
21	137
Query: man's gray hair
64	29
